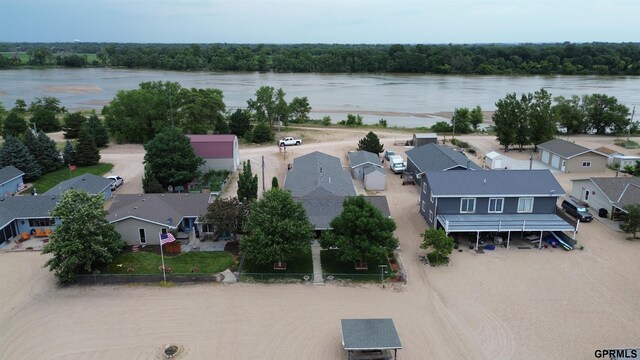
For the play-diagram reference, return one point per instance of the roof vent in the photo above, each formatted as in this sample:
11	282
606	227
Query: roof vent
135	208
139	195
485	181
53	198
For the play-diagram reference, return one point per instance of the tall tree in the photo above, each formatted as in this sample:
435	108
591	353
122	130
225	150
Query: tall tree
84	241
631	220
361	232
226	215
69	154
277	228
299	109
171	158
261	134
86	151
371	143
476	117
239	122
461	121
15	153
247	183
570	114
98	131
505	120
269	106
44	113
199	110
44	150
72	123
542	126
604	114
14	124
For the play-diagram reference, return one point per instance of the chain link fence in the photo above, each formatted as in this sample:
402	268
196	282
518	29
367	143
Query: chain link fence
119	279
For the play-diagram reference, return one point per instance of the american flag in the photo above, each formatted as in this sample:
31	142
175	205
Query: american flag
166	238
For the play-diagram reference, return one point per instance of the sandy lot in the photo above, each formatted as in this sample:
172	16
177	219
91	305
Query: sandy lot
506	304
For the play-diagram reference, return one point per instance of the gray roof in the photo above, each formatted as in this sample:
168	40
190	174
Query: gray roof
614	187
425	135
25	207
369	169
504	222
318	174
439	157
8	173
163	209
93	184
369	334
322	210
630	196
565	149
361	157
492	182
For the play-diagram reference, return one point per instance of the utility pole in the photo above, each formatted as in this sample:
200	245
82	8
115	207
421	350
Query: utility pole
631	123
263	187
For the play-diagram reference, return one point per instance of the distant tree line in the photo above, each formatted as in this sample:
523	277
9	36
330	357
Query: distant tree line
485	59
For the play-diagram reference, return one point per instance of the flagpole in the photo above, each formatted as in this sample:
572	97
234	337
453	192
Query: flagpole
164	274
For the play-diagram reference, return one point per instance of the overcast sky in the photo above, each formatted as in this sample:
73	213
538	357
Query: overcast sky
320	21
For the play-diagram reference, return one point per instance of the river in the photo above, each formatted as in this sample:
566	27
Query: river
402	99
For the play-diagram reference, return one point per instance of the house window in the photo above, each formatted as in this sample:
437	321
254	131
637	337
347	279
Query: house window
496	205
525	205
431	196
424	187
41	222
163	231
430	216
467	205
586	164
143	236
423	207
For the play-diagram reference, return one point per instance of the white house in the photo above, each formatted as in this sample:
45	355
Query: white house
610	193
220	152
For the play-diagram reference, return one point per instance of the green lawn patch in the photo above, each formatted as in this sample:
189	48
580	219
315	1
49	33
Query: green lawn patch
149	263
52	179
331	265
299	264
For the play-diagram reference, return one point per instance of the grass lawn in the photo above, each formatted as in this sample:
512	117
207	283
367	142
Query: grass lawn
331	265
299	264
149	263
52	179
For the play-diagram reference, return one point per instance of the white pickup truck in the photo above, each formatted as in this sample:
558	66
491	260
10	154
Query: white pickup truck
288	141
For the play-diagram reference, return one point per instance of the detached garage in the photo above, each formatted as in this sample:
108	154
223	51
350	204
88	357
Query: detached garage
375	178
569	157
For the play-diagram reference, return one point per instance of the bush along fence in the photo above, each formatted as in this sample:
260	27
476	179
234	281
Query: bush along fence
118	279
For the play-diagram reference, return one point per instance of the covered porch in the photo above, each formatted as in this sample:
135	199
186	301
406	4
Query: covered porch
506	223
370	339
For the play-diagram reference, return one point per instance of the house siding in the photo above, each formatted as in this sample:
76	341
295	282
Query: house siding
597	200
128	229
451	206
10	187
219	164
358	172
375	181
598	163
429	206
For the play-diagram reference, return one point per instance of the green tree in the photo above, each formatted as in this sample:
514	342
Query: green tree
269	106
371	143
476	117
542	126
461	121
226	215
14	124
20	106
44	113
604	114
261	134
505	120
199	110
274	183
69	154
570	114
326	120
86	151
361	232
150	184
631	220
439	242
44	150
239	123
15	153
299	109
171	158
72	123
247	183
352	120
277	228
39	56
98	131
441	127
84	241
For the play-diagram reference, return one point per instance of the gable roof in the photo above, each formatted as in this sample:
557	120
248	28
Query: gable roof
318	174
370	169
605	150
499	183
24	207
630	196
213	146
493	155
361	157
162	209
614	187
565	148
93	184
9	173
439	157
321	210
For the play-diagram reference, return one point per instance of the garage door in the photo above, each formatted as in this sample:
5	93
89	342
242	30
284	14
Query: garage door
555	161
544	157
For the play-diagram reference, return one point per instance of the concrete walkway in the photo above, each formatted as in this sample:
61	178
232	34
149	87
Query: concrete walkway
317	268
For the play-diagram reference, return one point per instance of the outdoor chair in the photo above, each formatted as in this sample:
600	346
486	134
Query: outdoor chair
38	233
47	232
25	236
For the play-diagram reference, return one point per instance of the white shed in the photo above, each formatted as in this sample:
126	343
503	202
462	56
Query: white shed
375	178
495	160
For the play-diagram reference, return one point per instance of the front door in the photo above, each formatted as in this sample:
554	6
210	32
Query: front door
585	195
564	165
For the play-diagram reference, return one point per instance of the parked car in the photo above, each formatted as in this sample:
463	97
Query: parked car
388	153
577	210
396	164
117	181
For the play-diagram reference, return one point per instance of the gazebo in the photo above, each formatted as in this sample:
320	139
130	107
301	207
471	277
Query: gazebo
370	339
